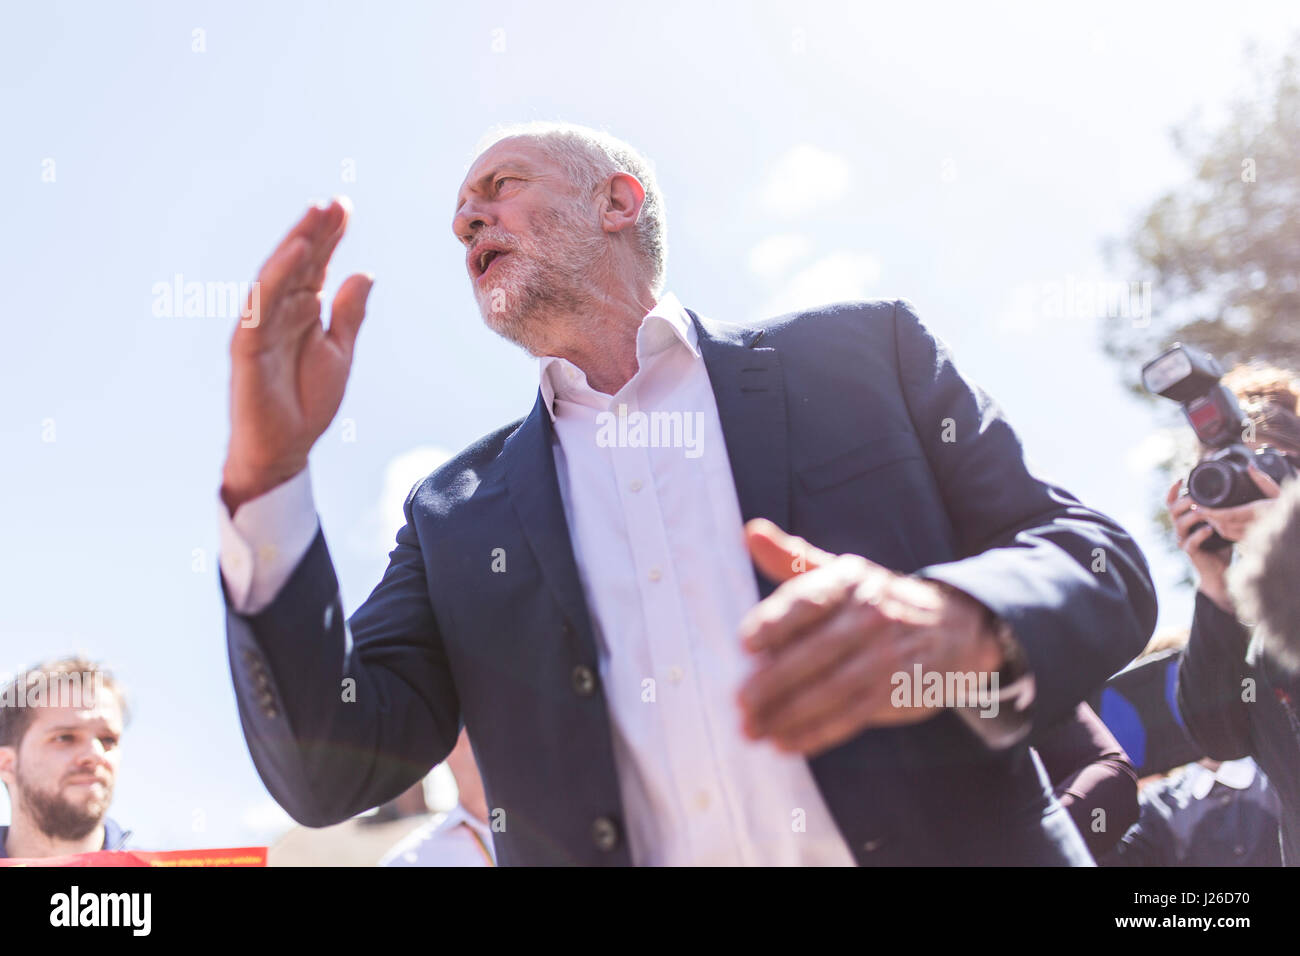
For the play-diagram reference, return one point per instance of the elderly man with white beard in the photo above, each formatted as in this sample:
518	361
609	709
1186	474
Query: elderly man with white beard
666	655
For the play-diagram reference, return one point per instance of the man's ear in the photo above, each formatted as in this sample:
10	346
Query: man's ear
624	196
8	757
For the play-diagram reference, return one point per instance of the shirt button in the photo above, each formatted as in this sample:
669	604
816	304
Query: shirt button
584	681
702	800
604	833
655	574
675	673
634	484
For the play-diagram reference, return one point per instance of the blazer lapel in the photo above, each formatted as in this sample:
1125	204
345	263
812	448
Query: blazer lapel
535	493
749	388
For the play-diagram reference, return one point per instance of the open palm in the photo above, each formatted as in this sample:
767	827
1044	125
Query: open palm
288	371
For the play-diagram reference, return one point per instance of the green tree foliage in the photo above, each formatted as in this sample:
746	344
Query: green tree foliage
1222	251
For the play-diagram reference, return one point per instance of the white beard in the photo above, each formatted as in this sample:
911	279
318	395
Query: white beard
542	279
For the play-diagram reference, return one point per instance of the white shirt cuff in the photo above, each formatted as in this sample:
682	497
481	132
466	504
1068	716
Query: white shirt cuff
1006	720
264	541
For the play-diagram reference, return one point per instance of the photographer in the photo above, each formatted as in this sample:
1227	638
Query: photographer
1233	704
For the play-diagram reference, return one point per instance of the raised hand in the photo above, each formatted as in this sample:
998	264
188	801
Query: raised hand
288	372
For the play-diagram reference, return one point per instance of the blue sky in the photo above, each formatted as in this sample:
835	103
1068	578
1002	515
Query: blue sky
970	160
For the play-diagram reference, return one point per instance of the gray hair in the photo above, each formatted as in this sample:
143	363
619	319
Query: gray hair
588	157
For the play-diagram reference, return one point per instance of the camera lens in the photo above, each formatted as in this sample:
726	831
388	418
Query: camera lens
1210	483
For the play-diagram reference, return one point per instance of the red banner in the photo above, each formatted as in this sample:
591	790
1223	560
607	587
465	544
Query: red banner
232	856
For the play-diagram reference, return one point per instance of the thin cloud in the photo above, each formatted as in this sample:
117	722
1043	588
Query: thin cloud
776	254
838	277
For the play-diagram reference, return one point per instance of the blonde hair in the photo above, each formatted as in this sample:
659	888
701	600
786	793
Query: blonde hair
1269	396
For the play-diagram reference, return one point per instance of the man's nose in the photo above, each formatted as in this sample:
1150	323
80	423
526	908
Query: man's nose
92	754
470	219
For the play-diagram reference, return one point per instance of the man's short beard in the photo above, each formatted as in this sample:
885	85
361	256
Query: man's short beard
540	289
55	816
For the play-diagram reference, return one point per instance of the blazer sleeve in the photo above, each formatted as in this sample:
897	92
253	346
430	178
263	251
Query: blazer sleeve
1071	583
1211	681
343	717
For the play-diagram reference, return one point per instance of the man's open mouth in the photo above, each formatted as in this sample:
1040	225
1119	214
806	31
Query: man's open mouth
482	262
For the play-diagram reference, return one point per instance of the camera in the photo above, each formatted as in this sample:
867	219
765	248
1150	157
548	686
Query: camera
1220	479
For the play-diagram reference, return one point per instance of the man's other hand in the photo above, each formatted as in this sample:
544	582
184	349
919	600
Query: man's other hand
829	640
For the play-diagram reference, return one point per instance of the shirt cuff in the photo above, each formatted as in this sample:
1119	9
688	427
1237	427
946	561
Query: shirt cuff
1004	719
265	540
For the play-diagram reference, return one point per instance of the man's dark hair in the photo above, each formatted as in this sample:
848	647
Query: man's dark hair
16	720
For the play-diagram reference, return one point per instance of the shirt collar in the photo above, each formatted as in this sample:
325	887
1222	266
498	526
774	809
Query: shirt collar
665	324
1236	774
458	815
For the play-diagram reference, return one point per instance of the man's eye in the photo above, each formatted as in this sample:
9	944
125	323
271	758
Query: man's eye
505	179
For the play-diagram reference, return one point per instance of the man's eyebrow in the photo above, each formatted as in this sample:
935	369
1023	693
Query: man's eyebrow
511	164
65	727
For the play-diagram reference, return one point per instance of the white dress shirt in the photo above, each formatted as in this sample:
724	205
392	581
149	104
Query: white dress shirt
659	543
658	540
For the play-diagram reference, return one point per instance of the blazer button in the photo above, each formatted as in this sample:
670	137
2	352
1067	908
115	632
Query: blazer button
871	846
604	833
584	681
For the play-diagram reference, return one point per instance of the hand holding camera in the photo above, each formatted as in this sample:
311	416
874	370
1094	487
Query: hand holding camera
1236	479
1232	480
1194	525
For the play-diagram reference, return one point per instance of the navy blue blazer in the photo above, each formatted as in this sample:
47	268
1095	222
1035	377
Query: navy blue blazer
848	426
